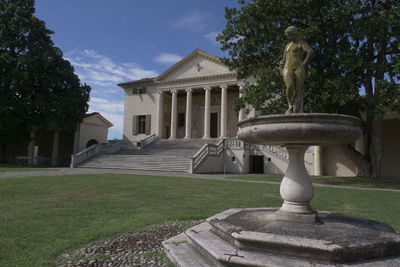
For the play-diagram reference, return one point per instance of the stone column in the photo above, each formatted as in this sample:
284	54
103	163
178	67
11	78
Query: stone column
160	113
75	149
207	106
242	112
224	110
31	147
174	113
317	161
188	119
54	154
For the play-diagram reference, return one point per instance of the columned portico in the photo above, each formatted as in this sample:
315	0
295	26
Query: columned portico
174	113
207	106
188	119
224	109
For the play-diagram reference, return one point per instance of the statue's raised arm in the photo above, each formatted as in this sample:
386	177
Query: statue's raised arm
296	57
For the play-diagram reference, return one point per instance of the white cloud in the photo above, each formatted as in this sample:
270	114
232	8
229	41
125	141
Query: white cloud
211	37
167	58
103	75
193	22
96	69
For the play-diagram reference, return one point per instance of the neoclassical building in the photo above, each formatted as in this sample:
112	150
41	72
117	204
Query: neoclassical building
194	100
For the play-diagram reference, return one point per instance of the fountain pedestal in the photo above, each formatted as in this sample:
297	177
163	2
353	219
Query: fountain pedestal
294	234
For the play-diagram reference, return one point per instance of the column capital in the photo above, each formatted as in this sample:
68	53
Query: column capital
189	90
160	92
241	85
207	88
224	86
174	91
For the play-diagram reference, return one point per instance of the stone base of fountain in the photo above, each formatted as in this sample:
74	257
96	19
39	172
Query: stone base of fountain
253	237
294	234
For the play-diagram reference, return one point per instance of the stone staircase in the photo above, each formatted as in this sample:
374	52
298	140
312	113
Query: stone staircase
161	155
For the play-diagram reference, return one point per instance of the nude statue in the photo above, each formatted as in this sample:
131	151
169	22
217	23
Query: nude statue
293	67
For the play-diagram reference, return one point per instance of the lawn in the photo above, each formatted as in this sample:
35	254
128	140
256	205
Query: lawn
44	217
329	180
21	168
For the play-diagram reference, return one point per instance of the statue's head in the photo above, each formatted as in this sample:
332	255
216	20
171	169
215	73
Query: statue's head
292	33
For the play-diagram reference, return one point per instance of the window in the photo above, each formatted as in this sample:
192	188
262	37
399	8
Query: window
138	91
181	119
141	124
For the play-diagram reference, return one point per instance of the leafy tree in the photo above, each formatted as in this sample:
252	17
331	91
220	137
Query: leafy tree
353	72
37	86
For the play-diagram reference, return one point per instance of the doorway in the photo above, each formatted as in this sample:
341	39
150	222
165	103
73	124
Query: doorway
214	125
256	164
91	143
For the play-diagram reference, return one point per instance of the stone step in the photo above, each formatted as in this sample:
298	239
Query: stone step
138	168
221	253
182	253
162	155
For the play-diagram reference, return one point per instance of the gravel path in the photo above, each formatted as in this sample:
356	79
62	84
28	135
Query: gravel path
139	248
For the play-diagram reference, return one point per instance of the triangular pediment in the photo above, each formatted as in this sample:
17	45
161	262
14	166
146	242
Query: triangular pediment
197	64
97	119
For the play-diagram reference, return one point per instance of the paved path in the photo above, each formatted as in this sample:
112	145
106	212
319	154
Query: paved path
77	171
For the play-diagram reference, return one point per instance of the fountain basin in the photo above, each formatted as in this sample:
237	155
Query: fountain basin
300	129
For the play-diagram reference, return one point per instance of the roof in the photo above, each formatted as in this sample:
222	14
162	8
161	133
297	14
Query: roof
144	80
101	117
175	66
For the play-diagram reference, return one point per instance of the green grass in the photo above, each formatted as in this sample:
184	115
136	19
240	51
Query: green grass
329	180
44	217
21	168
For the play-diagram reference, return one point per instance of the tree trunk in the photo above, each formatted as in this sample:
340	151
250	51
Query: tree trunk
375	147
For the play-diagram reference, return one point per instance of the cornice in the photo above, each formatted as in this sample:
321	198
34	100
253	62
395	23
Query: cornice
198	78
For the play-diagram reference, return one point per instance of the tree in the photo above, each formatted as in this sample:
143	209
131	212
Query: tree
37	86
353	72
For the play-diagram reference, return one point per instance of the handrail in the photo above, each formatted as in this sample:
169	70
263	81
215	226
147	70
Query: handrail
85	155
147	141
278	151
213	150
111	148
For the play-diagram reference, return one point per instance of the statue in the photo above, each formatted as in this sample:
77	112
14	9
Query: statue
293	68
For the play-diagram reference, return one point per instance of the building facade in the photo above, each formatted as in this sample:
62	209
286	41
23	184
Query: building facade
54	146
195	99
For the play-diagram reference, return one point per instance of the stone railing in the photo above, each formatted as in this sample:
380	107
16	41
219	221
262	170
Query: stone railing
84	155
111	148
206	151
278	151
147	141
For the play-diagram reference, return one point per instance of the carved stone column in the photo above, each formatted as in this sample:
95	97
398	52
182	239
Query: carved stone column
224	110
317	161
207	107
54	154
174	113
160	113
242	113
188	119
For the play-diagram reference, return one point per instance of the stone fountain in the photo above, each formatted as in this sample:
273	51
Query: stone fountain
294	234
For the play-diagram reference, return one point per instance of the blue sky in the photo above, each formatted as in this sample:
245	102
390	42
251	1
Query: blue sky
122	40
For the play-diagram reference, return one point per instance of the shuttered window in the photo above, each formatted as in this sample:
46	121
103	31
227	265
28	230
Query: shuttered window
138	91
141	124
